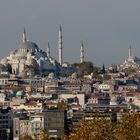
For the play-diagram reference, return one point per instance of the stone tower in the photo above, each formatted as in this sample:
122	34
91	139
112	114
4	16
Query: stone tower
130	53
82	52
60	47
24	39
48	51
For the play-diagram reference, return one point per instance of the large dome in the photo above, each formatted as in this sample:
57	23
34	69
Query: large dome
25	48
30	46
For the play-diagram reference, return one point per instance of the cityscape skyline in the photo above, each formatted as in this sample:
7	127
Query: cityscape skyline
69	70
107	28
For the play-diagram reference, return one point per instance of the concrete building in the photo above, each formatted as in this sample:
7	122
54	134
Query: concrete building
55	123
31	107
32	126
105	88
5	124
80	97
20	127
72	86
3	81
36	125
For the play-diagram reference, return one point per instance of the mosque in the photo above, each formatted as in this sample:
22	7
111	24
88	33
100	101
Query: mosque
29	59
131	62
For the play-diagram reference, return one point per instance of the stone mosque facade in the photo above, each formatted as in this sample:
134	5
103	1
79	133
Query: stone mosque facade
30	58
131	62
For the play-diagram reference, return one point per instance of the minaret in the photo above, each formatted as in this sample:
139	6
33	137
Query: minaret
60	51
130	53
82	52
48	51
24	39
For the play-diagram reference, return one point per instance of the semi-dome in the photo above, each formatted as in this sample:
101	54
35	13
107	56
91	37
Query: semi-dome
4	60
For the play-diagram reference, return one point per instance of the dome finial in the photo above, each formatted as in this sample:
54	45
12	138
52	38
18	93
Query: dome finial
24	35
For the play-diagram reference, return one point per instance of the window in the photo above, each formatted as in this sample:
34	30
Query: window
16	132
49	124
49	119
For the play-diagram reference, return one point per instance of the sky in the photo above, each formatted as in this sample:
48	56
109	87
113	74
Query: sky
107	27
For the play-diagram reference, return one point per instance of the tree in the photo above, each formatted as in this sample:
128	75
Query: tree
106	77
85	68
9	68
62	105
127	128
26	137
103	69
44	135
98	129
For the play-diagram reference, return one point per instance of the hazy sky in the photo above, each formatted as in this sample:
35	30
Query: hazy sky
107	27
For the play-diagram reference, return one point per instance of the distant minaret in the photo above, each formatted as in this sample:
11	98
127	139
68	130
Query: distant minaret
48	51
60	51
130	52
24	39
82	52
